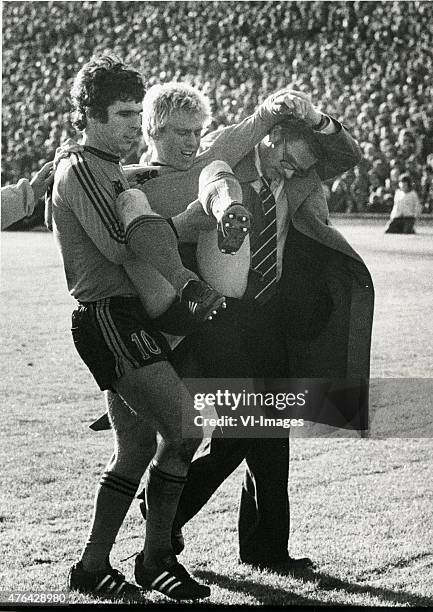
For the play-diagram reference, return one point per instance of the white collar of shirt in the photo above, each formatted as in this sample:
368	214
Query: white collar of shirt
277	185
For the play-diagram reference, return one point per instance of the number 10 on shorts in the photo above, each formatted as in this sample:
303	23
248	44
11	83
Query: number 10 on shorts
145	344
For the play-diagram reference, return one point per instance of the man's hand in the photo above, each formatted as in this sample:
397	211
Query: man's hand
42	179
65	149
138	175
296	104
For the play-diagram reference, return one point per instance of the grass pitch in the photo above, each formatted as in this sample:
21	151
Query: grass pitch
362	508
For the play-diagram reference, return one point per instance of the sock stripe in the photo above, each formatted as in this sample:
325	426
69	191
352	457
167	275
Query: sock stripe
117	484
156	471
111	486
142	220
121	479
117	487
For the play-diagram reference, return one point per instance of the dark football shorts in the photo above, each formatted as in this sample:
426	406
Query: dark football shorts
115	335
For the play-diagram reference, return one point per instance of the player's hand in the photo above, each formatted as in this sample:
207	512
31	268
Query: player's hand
296	104
65	149
137	175
42	179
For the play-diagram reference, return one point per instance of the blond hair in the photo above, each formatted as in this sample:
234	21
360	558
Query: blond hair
161	101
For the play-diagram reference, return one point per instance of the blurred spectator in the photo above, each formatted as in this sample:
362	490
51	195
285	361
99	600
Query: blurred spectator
406	208
358	189
380	200
368	63
341	197
427	185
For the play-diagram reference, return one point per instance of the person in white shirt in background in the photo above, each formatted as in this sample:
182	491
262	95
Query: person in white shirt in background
406	209
18	201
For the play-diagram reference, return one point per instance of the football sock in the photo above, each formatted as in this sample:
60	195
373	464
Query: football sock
113	499
152	239
218	189
163	491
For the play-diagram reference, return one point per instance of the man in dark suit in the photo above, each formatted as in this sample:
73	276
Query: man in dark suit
307	313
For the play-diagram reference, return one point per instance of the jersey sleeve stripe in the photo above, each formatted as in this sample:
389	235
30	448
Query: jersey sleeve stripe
97	188
103	203
100	204
113	231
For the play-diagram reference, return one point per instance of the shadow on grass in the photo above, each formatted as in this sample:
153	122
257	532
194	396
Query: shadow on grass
327	582
266	594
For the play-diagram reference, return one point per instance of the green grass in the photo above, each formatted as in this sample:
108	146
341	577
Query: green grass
360	507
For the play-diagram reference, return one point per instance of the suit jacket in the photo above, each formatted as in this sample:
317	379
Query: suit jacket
326	291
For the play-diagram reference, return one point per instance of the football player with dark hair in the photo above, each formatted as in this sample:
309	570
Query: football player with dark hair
118	341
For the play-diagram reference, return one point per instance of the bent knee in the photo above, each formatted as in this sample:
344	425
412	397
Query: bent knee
133	461
183	448
136	448
215	168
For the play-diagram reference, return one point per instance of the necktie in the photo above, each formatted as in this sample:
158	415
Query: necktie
264	256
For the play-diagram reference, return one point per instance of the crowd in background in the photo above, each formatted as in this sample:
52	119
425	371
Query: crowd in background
369	64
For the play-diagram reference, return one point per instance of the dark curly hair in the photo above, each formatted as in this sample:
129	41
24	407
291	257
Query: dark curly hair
103	80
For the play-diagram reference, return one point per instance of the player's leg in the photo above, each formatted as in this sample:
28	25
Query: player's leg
221	196
134	447
170	407
115	338
208	346
156	241
152	239
105	334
